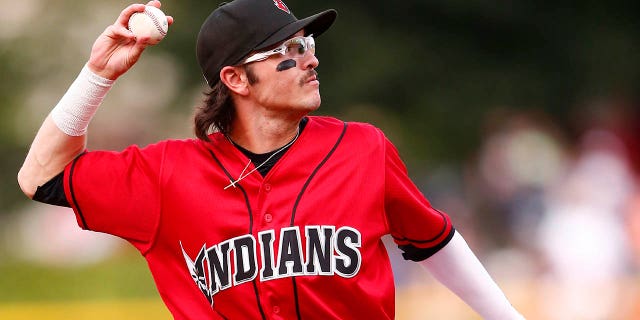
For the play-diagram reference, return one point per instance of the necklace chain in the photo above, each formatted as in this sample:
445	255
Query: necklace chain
243	175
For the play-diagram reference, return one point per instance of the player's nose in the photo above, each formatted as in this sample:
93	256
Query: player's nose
309	61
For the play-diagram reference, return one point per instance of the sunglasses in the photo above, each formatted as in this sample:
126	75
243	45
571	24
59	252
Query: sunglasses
293	48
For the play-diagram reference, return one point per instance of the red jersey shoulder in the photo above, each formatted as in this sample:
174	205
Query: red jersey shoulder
163	155
359	131
172	149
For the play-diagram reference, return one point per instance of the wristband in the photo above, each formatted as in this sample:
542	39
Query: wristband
74	111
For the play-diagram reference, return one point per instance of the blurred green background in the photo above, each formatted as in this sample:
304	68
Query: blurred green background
518	118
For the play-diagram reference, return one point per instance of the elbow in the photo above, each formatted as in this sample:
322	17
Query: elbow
27	185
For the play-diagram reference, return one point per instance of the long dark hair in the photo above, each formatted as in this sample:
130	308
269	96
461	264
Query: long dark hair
216	113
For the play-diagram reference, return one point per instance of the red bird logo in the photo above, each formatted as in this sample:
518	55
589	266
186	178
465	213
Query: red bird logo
280	5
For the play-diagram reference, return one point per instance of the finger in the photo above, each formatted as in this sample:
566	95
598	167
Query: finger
120	33
123	19
170	20
136	51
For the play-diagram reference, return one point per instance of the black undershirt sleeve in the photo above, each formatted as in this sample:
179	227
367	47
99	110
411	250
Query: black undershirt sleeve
413	253
52	192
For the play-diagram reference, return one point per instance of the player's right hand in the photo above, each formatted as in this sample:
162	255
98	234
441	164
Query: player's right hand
116	49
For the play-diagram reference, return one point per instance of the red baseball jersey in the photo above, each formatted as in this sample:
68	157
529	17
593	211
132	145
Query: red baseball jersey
303	242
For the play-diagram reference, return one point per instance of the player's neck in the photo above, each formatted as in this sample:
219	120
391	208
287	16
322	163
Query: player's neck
264	135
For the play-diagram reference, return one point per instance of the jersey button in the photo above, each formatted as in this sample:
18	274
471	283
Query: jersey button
267	187
276	309
268	218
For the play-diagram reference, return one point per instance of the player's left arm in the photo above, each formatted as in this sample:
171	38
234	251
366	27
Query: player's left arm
456	267
427	235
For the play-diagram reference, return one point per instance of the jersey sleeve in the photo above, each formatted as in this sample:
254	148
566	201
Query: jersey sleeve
418	229
117	192
52	192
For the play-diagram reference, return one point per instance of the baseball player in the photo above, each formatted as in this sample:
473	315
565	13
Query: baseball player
270	213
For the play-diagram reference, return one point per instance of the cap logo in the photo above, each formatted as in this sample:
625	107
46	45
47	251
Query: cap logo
280	5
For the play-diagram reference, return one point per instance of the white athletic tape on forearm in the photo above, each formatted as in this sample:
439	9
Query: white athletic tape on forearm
74	111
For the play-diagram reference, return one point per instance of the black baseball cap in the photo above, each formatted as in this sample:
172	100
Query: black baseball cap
237	28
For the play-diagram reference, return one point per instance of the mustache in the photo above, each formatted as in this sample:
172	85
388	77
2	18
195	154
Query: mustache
309	75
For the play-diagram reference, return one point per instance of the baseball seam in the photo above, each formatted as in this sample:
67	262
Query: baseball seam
155	22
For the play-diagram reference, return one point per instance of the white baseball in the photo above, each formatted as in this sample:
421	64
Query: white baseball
151	23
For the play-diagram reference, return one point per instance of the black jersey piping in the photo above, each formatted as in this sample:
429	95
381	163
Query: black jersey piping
413	253
246	199
221	315
73	193
295	205
315	171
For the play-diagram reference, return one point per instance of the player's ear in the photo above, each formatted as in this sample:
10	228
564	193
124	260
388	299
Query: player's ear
236	79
